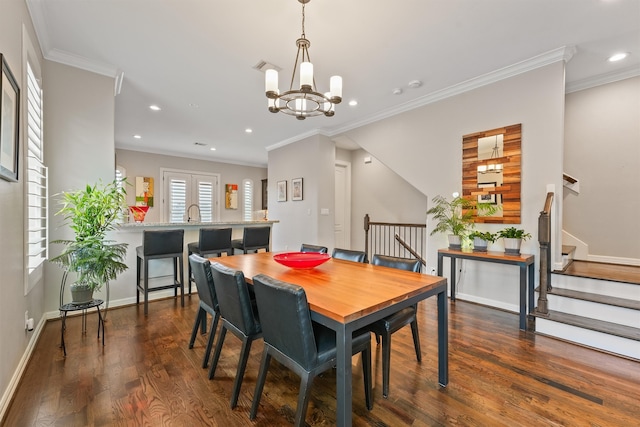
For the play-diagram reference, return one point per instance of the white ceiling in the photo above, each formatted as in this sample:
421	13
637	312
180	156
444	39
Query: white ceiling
179	53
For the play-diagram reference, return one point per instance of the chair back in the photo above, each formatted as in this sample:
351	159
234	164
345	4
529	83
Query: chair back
162	242
408	264
234	299
349	255
313	248
214	239
286	320
256	236
203	277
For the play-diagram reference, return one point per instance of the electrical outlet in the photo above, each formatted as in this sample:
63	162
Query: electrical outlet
26	320
432	271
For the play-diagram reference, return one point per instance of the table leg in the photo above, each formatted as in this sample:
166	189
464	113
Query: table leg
532	302
64	322
343	376
443	339
100	324
453	279
523	297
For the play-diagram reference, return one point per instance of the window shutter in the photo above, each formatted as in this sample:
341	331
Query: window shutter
37	178
205	200
247	200
177	199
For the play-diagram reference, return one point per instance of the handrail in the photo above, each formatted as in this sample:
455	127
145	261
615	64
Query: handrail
394	239
411	251
544	238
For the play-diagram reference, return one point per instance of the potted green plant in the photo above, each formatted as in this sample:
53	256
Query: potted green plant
456	217
91	213
481	240
513	238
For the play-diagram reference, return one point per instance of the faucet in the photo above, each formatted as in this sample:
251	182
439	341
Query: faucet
189	215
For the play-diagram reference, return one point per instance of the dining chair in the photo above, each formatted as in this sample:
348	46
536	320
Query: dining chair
239	316
293	339
211	241
349	255
394	322
313	248
201	268
159	244
253	239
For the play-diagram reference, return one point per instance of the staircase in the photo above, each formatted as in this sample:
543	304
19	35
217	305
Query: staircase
594	304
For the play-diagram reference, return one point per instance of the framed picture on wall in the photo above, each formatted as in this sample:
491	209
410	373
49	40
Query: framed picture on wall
487	198
282	191
9	123
296	189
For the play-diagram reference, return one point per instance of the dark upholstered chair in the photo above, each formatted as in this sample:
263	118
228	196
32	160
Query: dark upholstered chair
201	268
239	315
349	255
313	248
293	339
157	245
253	238
394	322
211	241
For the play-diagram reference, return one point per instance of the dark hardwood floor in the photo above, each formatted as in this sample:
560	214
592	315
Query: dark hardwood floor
147	376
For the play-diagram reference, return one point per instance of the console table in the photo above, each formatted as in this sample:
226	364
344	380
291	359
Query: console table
84	307
524	261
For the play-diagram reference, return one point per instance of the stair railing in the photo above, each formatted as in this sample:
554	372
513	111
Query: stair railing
395	239
544	238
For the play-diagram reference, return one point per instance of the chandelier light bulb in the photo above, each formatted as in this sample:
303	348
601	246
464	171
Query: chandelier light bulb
271	82
306	76
335	87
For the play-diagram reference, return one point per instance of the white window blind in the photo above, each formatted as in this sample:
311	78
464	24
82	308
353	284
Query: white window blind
37	177
183	190
247	199
177	199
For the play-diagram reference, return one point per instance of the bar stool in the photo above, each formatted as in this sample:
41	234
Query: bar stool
211	241
158	245
253	238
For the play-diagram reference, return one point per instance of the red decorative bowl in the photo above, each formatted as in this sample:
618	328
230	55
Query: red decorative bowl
301	259
139	212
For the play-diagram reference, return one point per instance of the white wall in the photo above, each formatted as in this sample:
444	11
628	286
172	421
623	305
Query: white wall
383	194
79	138
424	146
312	159
16	342
602	150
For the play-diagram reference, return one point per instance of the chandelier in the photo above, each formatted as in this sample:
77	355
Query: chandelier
492	165
305	101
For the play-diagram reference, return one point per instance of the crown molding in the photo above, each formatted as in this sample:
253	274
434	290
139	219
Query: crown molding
603	79
37	11
297	138
564	53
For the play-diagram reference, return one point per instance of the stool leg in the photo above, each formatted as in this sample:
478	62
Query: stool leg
146	286
182	280
138	266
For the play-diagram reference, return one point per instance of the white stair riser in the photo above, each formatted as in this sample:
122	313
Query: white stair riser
595	286
611	343
593	310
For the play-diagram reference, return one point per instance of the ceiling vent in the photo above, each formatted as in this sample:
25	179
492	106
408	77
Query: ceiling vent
200	144
263	66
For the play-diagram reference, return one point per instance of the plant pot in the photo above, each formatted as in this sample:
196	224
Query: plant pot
455	242
512	246
480	245
81	293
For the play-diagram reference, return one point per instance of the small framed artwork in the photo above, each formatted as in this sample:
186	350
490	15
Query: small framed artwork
282	191
9	123
487	198
296	189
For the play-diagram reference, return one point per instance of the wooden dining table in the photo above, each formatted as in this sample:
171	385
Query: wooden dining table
346	296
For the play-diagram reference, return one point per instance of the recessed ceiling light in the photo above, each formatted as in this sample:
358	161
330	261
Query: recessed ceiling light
618	57
248	130
212	148
155	107
137	136
353	103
